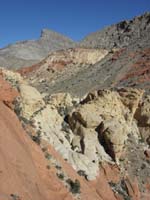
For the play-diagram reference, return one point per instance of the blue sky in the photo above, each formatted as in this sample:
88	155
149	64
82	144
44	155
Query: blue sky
24	19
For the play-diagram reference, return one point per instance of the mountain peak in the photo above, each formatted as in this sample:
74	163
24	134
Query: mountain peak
47	34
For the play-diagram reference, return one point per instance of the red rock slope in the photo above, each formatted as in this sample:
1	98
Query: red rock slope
23	172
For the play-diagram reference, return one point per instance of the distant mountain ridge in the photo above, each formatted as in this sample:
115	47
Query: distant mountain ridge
120	35
28	52
126	63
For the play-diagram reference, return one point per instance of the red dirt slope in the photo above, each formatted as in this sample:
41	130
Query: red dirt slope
23	172
139	72
23	169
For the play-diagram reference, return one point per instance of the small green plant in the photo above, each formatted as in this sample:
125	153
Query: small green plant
82	173
17	108
61	176
74	186
48	156
26	121
141	140
122	159
58	167
37	138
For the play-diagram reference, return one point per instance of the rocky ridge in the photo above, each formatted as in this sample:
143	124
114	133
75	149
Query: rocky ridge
26	53
120	35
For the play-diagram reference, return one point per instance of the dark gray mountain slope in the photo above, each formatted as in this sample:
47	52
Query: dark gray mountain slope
119	35
28	52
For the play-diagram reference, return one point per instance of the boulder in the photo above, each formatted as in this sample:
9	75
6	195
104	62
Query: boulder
143	118
31	101
106	117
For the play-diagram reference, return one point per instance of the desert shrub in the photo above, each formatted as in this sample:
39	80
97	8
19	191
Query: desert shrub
58	167
141	140
74	186
61	176
48	156
37	138
82	173
23	119
17	107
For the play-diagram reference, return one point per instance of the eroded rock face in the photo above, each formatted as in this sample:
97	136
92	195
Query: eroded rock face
78	55
98	126
143	118
63	102
106	116
50	125
143	112
96	130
